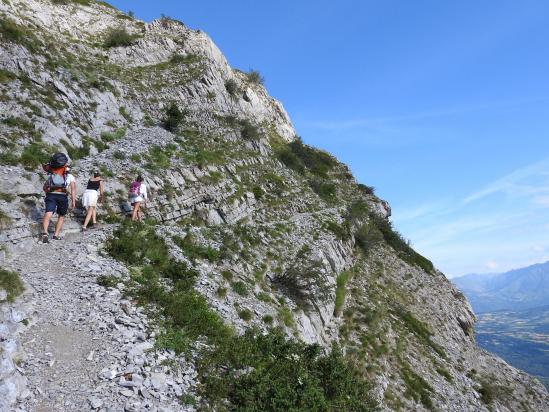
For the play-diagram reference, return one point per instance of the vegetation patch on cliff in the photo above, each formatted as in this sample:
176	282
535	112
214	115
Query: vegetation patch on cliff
254	371
11	283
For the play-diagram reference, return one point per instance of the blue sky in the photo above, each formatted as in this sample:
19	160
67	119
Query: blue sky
442	106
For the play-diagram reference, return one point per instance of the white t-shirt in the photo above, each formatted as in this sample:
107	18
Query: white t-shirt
142	194
70	179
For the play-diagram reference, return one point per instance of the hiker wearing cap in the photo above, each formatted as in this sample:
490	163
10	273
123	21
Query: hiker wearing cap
137	194
93	194
58	186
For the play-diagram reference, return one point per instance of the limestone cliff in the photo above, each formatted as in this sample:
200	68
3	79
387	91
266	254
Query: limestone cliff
294	239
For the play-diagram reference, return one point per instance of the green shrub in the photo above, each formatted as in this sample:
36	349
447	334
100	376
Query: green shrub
6	76
127	243
290	159
249	131
316	161
174	339
367	190
444	372
341	290
75	152
253	76
367	237
159	158
81	2
11	283
300	157
118	37
202	157
341	231
232	87
124	113
119	155
221	292
105	171
286	317
258	192
173	118
188	399
18	122
325	190
8	197
109	137
487	392
281	375
8	159
268	319
187	59
227	275
107	281
264	297
416	387
358	210
401	246
36	154
194	251
240	288
12	32
420	330
245	315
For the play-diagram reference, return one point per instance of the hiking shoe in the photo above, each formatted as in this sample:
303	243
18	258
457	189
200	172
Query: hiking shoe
45	238
83	229
57	237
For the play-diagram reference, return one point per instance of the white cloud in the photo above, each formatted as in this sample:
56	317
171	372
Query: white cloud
484	232
510	184
373	123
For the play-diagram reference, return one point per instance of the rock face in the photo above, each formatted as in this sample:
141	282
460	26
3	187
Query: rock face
296	239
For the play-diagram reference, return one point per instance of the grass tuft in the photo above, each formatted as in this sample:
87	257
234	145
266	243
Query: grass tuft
11	283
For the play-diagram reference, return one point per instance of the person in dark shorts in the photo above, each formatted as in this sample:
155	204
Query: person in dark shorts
57	201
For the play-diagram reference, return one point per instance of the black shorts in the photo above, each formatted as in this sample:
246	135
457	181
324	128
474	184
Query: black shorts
57	202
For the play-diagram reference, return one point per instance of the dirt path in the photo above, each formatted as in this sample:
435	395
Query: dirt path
86	347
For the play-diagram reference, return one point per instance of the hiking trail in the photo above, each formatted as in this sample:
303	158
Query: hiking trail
85	347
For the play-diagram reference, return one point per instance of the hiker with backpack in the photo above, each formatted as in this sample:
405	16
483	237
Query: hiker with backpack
58	186
94	192
137	194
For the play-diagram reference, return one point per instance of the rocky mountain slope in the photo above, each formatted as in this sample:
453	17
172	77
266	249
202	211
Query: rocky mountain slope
518	289
249	233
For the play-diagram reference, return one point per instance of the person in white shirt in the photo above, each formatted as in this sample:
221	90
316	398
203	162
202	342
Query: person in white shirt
137	195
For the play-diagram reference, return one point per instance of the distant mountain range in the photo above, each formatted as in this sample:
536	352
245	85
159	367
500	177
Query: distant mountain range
516	290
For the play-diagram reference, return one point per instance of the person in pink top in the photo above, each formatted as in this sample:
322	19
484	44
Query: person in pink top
137	195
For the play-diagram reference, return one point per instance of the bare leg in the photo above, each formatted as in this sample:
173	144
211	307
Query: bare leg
59	225
94	215
46	221
135	213
88	216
